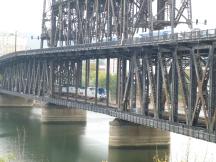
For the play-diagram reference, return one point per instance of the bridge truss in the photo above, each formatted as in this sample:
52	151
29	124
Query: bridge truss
68	22
156	79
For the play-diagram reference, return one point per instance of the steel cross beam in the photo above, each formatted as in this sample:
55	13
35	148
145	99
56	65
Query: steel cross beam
68	22
166	82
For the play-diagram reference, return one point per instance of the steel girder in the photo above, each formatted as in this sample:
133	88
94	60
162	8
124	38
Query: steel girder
68	22
162	83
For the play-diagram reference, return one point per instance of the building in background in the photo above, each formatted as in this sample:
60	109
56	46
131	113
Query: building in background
11	42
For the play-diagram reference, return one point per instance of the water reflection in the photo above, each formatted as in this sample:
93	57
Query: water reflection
61	142
84	142
185	148
137	155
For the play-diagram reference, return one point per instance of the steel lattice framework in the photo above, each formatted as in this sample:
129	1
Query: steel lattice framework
168	81
68	22
163	81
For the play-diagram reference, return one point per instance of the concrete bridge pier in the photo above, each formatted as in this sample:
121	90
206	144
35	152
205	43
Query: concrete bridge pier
8	101
127	134
57	114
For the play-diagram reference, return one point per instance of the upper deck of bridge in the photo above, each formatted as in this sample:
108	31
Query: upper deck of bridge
181	39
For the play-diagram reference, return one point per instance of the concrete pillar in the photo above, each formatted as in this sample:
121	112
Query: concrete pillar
126	134
8	101
57	114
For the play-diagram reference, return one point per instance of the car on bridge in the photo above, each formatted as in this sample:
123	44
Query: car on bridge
71	90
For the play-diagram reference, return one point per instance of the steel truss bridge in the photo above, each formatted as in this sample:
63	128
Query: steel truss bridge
166	82
67	22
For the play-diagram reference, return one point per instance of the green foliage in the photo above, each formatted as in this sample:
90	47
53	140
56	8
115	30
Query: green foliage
2	160
102	79
113	80
156	158
1	78
7	158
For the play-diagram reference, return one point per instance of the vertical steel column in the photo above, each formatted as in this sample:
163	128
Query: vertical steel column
43	24
138	82
125	19
172	16
39	78
27	75
79	72
123	75
76	78
132	88
212	92
73	73
22	73
69	19
96	81
145	84
60	24
107	81
159	99
109	21
17	77
125	98
53	25
35	82
150	12
60	78
117	81
21	76
32	77
51	78
10	78
192	88
151	80
174	90
43	80
68	77
121	80
87	71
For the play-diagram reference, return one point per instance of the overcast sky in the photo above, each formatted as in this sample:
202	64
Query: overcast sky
21	15
26	15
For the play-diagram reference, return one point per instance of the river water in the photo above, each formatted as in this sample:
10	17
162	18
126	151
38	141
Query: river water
23	136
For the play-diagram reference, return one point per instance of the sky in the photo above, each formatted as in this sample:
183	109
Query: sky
204	9
21	15
25	15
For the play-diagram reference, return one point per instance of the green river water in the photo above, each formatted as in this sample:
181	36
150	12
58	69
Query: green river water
23	136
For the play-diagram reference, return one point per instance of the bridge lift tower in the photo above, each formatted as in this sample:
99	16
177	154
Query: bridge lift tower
69	22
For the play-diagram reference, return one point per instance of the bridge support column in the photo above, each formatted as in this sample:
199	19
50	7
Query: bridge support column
56	114
7	101
126	134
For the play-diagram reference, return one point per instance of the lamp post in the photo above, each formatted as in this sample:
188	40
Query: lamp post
15	40
15	45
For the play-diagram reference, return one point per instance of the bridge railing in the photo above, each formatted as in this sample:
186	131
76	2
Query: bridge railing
176	37
193	35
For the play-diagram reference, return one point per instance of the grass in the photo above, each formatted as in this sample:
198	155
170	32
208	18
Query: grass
156	158
7	158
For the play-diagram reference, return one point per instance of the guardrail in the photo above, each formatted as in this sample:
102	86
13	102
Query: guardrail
166	125
168	38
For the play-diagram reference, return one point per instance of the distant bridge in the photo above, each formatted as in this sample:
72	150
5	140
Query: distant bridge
166	82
